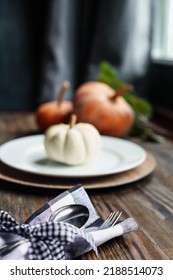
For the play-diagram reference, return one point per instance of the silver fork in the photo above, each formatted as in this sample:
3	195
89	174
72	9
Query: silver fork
111	220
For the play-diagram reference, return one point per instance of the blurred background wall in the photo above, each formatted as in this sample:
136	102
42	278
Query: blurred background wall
43	43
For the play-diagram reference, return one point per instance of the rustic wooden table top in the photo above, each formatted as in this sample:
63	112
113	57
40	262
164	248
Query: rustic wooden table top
149	200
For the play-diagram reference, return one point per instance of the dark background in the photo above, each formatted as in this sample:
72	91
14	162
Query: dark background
25	30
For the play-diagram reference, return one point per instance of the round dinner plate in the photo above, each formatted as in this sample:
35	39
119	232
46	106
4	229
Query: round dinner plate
28	154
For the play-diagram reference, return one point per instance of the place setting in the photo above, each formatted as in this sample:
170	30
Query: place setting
73	157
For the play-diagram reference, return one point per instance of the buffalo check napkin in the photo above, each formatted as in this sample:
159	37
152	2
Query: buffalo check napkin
57	240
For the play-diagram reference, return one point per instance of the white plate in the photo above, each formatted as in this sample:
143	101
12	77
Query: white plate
28	154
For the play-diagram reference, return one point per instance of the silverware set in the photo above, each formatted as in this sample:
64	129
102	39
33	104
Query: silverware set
71	214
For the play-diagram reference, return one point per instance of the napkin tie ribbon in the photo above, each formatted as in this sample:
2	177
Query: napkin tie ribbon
47	240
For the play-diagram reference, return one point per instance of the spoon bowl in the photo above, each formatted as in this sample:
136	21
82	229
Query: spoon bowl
75	214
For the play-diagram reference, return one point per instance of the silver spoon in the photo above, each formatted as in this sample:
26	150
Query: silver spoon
75	214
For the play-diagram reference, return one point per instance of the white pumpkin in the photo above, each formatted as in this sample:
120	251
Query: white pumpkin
72	144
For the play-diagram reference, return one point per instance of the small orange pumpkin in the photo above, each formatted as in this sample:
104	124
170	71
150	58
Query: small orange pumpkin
54	112
100	105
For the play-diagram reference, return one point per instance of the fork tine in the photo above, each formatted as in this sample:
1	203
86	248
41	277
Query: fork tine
106	221
111	220
113	216
117	218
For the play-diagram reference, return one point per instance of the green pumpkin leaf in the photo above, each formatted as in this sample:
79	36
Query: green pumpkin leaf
140	105
108	75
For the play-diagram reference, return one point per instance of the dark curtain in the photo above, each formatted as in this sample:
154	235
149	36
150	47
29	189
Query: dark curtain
42	44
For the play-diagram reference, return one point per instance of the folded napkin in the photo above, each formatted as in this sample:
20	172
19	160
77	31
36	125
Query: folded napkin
49	240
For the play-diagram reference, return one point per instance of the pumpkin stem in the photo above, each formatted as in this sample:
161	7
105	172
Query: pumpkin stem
64	86
122	91
73	119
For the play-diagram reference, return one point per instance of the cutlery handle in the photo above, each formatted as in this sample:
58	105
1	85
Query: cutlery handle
102	236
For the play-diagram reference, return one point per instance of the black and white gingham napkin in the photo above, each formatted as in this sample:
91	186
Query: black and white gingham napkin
46	239
49	240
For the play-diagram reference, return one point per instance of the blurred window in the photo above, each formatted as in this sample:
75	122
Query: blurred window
162	45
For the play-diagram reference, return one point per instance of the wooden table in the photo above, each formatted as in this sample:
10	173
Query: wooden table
149	201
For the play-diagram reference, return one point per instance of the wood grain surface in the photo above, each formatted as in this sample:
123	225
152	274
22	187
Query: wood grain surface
149	200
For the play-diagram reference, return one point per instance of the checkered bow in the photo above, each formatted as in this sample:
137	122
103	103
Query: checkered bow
46	240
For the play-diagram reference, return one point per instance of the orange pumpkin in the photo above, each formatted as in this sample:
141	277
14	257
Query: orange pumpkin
54	112
106	109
